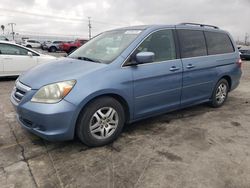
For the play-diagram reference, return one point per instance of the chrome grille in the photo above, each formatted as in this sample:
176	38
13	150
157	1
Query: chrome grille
19	91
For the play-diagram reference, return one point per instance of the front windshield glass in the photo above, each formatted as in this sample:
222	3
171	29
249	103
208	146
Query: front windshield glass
105	47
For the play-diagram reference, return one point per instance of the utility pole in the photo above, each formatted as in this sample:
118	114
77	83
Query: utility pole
12	29
89	27
246	39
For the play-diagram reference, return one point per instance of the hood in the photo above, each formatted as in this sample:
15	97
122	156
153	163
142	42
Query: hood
56	71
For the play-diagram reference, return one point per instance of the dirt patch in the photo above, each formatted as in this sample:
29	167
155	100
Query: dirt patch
170	156
236	124
196	134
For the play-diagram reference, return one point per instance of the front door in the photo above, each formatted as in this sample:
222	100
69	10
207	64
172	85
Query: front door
157	85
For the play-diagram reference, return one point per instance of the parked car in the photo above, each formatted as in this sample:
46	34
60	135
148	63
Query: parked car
125	75
69	47
30	43
52	46
245	54
44	45
15	59
3	38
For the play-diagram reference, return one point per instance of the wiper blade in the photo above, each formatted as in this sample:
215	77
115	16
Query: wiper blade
88	59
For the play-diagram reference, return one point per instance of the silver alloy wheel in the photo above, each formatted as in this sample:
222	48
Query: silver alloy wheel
104	123
221	93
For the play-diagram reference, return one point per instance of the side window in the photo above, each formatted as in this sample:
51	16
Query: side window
161	43
192	43
8	49
218	43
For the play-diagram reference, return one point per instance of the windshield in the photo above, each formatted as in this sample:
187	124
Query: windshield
106	47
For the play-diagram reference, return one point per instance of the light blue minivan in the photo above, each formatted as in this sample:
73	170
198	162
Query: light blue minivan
125	75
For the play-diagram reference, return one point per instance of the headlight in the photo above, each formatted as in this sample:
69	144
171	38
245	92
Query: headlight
53	93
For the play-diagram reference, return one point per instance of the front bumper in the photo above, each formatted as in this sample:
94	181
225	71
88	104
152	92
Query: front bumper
53	122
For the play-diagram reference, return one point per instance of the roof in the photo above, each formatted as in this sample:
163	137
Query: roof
182	25
143	27
7	42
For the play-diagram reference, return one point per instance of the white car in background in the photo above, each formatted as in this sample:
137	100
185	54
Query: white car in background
30	43
3	38
15	59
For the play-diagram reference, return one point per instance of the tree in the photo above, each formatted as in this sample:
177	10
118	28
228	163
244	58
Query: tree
3	27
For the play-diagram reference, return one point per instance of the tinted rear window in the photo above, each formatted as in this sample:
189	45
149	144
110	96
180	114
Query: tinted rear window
218	43
192	43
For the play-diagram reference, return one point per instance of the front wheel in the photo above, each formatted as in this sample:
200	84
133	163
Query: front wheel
220	93
101	122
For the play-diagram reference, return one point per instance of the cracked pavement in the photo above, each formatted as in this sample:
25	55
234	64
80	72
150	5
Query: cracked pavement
195	147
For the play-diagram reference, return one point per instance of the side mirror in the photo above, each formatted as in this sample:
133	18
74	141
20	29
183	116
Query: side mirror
30	54
145	57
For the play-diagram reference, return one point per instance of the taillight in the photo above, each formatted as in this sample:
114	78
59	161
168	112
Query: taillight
239	63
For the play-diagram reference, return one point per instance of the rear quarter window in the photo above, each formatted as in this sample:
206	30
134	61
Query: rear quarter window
218	43
192	43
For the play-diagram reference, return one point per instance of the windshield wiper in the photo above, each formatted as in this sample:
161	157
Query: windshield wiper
89	59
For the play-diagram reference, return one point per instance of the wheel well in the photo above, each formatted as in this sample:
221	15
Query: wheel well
124	104
229	80
120	99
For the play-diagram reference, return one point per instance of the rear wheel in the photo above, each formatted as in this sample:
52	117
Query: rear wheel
29	46
220	93
52	49
101	122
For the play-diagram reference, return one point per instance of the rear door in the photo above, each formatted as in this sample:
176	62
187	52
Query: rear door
199	70
157	85
16	59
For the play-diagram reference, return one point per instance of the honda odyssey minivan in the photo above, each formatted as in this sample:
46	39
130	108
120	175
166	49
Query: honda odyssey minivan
125	75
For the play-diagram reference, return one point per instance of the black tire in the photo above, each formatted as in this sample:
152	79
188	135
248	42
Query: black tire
52	49
29	46
217	102
86	118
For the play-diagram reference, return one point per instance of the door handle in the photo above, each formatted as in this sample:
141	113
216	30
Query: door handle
190	66
174	68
